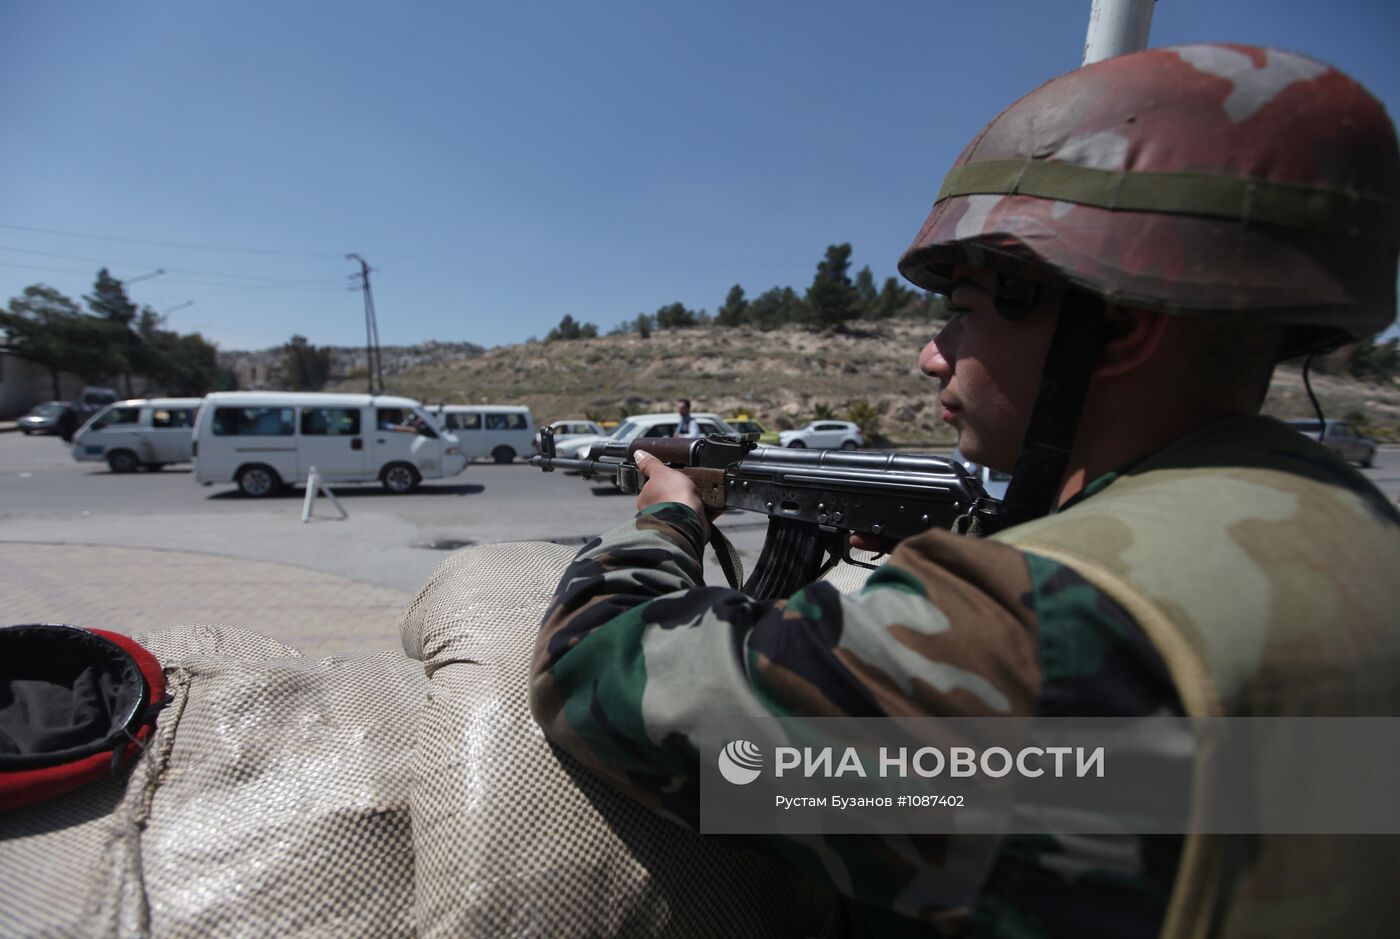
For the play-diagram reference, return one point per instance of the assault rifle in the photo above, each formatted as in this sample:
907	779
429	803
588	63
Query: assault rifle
814	499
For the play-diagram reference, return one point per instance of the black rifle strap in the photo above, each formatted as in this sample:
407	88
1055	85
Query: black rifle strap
728	557
1059	402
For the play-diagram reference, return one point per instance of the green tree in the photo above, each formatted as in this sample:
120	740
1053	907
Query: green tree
307	367
832	297
823	412
865	290
188	365
777	307
734	309
109	301
645	324
49	329
864	416
569	328
676	316
1372	362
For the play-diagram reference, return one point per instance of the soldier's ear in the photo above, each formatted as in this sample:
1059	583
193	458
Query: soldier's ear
1130	338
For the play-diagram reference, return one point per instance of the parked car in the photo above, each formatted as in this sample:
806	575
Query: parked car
1341	438
994	482
265	440
43	418
139	433
568	429
499	432
642	425
824	435
747	425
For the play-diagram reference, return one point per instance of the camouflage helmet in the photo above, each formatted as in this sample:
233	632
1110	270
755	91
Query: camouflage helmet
1219	180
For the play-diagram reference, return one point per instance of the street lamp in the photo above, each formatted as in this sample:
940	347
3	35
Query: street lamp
178	306
155	273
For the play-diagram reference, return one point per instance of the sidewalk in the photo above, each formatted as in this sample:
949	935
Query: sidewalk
133	590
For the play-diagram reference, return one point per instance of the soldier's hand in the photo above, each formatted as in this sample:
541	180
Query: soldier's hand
664	484
873	543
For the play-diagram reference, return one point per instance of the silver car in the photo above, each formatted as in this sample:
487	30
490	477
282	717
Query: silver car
1341	438
43	418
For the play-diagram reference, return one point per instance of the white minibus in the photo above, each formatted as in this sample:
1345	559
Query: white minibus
264	440
141	432
500	432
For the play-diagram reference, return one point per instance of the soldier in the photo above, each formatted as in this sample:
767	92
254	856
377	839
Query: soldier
1127	251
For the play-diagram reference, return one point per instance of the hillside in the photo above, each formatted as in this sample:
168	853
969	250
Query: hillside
777	377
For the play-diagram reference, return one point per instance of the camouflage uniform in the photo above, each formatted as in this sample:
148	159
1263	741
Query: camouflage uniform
1242	570
635	656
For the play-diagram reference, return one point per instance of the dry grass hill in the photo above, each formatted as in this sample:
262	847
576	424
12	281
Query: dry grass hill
777	377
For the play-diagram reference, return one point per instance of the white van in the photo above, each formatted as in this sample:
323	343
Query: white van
141	432
498	431
263	440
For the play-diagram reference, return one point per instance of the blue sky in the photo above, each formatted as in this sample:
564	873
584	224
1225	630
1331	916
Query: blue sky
503	164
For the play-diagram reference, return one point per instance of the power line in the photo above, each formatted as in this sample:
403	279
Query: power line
169	244
107	262
221	287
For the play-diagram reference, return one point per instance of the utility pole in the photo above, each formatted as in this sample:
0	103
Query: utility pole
374	362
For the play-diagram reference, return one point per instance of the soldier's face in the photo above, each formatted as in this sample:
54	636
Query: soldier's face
988	367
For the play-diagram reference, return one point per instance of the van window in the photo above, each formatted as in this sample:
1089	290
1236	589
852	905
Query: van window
253	422
172	417
498	421
458	421
397	419
113	416
330	422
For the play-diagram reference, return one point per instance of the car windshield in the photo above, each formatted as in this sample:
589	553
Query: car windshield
48	410
625	431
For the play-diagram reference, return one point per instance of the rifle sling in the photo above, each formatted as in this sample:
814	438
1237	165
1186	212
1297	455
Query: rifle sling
728	557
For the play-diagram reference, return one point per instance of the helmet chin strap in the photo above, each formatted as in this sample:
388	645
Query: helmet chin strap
1059	403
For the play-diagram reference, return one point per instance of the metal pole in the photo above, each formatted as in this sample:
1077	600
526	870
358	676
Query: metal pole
373	366
1117	27
374	329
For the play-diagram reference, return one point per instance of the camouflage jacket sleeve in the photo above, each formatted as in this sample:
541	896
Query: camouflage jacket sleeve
637	661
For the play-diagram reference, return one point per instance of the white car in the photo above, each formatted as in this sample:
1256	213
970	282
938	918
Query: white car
642	425
995	482
824	435
568	429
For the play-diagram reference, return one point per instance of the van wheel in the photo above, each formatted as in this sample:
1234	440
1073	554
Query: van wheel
122	461
503	454
399	478
1370	460
258	481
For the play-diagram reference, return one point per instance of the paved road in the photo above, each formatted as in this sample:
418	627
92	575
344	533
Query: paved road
46	496
79	544
204	554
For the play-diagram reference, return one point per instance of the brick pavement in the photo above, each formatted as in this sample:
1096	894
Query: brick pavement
136	589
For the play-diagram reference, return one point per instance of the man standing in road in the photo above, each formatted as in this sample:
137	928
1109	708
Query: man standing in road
686	426
1127	251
